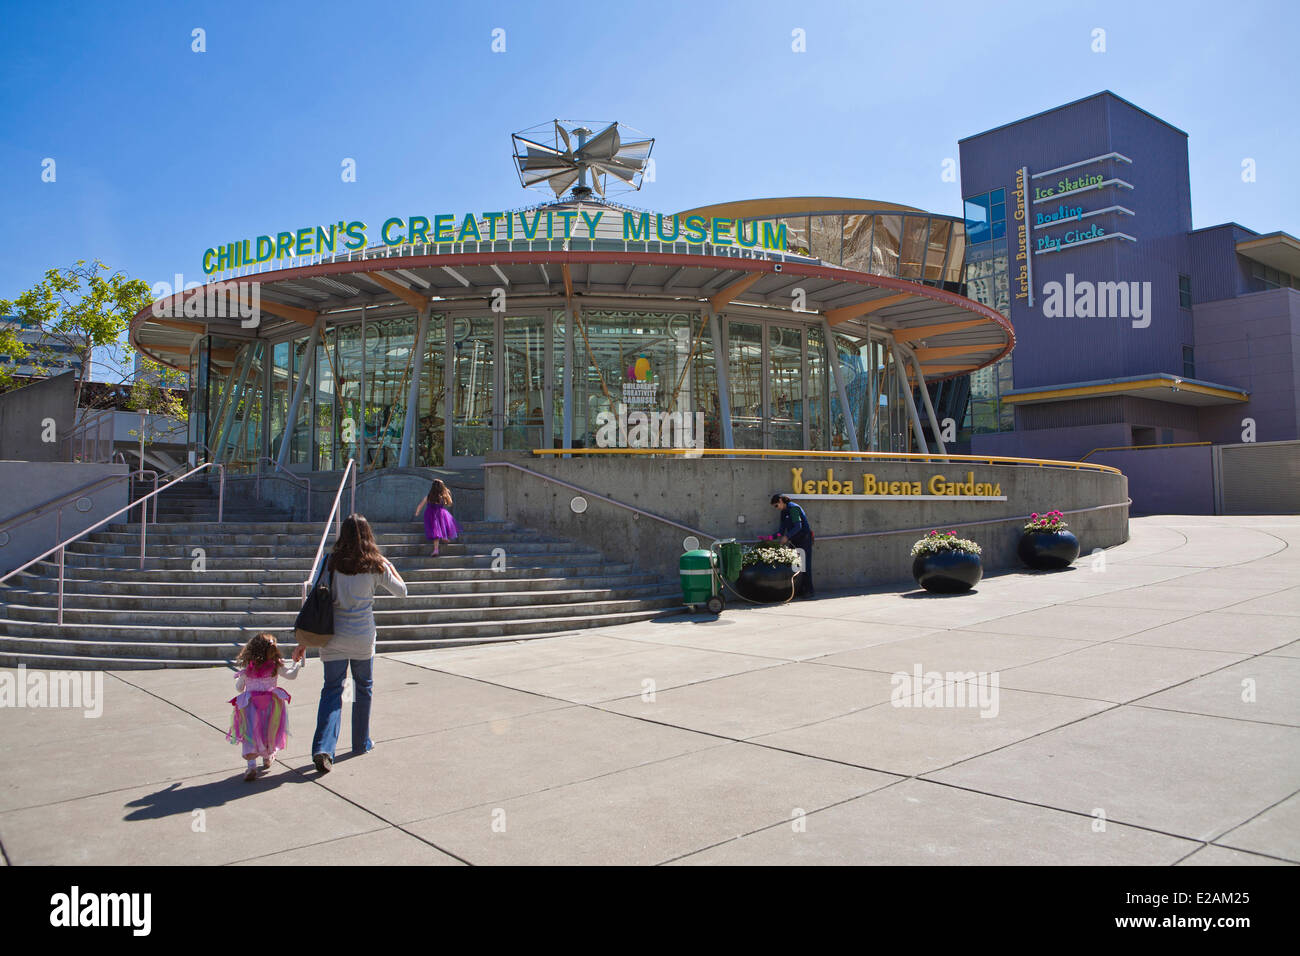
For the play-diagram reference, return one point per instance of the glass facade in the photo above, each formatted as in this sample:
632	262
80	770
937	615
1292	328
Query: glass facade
906	245
988	282
492	382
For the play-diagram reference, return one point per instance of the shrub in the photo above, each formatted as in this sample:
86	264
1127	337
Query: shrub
1052	521
938	541
768	554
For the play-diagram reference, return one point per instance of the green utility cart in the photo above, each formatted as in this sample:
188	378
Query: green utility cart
703	571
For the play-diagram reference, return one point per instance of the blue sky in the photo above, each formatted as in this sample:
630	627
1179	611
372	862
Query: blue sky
162	152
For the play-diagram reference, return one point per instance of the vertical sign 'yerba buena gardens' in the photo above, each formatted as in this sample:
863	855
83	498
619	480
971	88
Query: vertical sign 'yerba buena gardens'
1025	274
529	225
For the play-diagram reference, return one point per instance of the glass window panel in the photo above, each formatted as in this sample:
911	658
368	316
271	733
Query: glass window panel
389	345
431	425
745	381
821	400
326	420
474	369
300	443
937	248
977	220
557	392
828	238
857	243
348	361
785	387
649	362
523	368
797	239
281	392
913	249
885	245
958	254
998	196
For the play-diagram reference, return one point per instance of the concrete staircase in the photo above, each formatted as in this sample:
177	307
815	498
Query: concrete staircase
169	614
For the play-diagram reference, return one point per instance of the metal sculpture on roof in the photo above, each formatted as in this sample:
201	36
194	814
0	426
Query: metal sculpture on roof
565	153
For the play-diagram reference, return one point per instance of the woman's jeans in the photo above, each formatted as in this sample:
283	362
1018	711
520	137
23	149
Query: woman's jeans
331	706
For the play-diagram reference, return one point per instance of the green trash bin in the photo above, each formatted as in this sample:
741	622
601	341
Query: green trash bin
697	577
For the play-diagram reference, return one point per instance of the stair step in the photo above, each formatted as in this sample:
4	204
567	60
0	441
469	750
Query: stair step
119	615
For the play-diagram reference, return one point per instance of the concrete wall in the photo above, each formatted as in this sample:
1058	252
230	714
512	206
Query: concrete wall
27	484
1252	342
726	498
24	409
1170	481
1068	443
387	495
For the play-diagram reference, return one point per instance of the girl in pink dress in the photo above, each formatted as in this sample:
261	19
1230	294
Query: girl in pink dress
439	525
261	719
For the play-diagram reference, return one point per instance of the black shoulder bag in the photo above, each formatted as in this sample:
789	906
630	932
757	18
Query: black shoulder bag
315	624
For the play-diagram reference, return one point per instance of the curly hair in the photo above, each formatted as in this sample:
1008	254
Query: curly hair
260	650
355	551
439	494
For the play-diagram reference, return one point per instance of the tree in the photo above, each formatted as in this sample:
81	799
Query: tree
154	393
12	347
81	308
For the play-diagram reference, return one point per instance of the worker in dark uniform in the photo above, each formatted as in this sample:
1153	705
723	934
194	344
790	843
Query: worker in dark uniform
797	532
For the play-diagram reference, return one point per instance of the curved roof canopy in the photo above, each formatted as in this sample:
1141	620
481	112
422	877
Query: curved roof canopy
950	334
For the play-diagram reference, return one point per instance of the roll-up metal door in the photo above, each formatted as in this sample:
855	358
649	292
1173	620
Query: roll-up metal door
1257	478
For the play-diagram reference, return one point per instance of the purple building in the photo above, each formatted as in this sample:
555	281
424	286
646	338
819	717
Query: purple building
1132	328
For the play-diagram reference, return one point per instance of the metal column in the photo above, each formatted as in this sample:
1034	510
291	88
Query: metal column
548	379
413	393
925	397
308	369
361	425
833	357
724	380
236	395
900	373
568	375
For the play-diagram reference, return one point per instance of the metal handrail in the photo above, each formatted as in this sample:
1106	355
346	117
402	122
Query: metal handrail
333	516
31	514
62	545
82	428
832	455
287	475
594	494
1179	444
1127	502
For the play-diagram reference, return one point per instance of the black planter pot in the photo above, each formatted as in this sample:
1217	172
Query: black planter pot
1048	550
947	572
766	583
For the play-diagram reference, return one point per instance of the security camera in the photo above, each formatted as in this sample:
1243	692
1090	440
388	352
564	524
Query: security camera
777	267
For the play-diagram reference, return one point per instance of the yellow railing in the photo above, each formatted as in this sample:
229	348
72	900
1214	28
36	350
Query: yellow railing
1179	444
832	455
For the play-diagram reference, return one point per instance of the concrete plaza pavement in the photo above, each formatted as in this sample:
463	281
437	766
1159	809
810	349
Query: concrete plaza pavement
1147	711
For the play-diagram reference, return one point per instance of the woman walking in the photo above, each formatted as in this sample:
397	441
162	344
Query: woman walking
357	569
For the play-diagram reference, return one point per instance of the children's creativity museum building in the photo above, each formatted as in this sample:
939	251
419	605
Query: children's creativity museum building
635	379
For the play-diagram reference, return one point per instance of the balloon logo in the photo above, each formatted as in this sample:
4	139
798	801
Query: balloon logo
640	371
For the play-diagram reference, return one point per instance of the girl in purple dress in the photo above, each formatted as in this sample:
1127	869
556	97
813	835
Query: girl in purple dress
439	525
